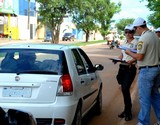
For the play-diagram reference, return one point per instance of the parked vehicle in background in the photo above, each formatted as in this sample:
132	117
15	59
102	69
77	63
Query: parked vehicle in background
68	36
48	38
57	84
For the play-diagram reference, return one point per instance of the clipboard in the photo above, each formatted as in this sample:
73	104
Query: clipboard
117	60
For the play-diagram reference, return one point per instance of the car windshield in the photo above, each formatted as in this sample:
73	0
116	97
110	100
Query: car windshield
48	35
32	61
67	34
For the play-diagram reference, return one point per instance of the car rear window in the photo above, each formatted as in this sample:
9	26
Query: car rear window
33	61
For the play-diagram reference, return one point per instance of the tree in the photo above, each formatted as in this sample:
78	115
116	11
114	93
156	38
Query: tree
84	17
154	6
88	15
93	15
52	13
106	11
123	22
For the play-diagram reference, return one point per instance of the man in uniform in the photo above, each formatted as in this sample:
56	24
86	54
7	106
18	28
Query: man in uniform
148	60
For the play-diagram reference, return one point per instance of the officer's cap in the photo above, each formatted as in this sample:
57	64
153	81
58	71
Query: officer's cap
129	27
158	29
139	22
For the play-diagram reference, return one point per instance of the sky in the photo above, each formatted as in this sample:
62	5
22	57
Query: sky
132	9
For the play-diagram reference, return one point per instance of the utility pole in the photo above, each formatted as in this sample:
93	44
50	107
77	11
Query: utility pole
28	14
29	18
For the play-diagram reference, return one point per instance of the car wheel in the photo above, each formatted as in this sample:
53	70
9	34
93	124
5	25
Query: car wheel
98	105
78	116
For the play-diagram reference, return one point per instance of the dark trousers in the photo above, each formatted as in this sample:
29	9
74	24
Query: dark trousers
125	77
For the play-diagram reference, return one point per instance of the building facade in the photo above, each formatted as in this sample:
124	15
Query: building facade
19	18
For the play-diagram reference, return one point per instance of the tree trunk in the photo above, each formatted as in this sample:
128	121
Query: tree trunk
56	31
87	36
55	34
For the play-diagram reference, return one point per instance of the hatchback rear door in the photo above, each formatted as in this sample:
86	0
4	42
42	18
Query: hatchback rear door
32	88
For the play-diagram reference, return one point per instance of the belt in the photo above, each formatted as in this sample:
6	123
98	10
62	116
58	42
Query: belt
127	65
141	67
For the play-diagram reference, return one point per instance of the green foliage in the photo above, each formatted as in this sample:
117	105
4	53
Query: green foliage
123	22
105	17
52	13
88	15
154	19
94	15
88	43
122	36
154	6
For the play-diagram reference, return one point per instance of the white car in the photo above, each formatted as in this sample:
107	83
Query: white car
57	84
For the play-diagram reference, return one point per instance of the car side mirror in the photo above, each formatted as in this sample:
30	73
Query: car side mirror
98	67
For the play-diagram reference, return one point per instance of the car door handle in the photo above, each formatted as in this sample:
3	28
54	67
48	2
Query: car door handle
82	82
92	78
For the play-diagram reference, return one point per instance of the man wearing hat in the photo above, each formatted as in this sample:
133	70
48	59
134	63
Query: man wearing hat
158	32
127	72
148	60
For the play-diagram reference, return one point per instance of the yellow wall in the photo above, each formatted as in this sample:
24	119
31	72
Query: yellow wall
8	28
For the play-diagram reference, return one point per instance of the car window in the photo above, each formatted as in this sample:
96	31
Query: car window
87	61
78	62
34	61
67	34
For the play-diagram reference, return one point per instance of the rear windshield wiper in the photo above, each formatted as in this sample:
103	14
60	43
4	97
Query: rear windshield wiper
37	72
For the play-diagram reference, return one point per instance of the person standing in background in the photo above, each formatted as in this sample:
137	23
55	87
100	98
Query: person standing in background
158	32
109	38
148	60
127	72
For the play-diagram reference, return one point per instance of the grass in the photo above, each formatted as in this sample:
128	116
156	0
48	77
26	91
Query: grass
87	43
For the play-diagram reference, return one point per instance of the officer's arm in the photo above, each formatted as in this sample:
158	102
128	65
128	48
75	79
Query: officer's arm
136	56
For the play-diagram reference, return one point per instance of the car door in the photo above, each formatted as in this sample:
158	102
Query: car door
94	83
83	80
87	84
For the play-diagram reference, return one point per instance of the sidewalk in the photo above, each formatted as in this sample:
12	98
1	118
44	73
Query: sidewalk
6	41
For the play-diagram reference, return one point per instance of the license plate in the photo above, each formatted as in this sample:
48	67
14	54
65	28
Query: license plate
17	92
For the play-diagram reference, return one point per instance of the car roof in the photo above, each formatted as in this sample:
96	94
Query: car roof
38	46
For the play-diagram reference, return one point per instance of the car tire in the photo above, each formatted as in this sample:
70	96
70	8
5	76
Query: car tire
78	116
98	105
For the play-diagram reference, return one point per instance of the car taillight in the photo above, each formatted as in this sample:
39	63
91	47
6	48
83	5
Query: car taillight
59	121
65	86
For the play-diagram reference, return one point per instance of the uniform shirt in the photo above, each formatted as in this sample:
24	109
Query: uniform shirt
149	45
132	45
